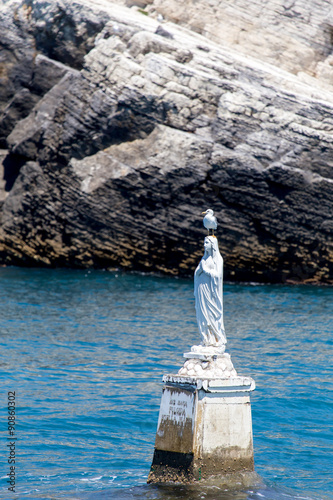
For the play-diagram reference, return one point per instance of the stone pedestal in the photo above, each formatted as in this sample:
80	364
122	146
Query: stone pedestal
204	426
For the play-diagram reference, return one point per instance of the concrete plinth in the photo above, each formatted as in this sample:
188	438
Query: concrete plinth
204	429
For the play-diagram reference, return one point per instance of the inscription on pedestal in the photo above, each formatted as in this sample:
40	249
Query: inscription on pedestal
176	420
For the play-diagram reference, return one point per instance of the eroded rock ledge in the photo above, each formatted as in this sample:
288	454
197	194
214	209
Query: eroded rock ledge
120	130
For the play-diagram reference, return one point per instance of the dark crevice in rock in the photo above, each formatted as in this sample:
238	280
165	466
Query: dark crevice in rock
328	33
11	167
61	40
279	191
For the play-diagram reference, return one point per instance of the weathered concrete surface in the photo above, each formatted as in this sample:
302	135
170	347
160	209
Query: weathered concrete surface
121	130
204	430
175	423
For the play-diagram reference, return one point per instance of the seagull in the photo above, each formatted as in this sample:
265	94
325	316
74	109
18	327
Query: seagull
209	220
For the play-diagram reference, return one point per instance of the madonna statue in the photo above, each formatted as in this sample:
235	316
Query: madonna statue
208	282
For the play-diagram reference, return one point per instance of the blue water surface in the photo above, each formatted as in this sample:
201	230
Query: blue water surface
85	352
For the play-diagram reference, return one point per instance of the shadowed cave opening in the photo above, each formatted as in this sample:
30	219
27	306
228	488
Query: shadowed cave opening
11	168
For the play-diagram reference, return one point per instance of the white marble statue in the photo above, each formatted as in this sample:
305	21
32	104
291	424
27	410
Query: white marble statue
208	292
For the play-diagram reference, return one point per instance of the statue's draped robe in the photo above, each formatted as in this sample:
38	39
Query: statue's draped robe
208	292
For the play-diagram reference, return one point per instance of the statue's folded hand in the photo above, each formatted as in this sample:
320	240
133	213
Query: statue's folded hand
207	270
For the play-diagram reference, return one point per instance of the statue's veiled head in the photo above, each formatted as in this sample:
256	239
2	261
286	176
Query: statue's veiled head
210	244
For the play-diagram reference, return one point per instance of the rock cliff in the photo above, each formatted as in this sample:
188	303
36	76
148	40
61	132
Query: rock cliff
293	34
118	128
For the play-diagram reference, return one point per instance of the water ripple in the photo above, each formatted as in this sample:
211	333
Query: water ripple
85	353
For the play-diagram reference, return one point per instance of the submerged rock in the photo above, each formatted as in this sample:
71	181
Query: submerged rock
127	130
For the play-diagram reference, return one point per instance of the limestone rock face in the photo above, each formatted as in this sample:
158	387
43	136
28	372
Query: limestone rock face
292	34
121	130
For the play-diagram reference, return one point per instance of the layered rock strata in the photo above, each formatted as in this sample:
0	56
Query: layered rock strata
295	35
120	130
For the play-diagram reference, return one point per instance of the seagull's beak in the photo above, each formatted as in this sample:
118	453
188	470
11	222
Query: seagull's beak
203	212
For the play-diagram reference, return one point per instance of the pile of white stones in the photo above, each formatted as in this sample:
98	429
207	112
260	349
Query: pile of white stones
212	367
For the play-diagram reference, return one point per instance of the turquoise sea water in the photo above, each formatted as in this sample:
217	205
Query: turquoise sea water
85	353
